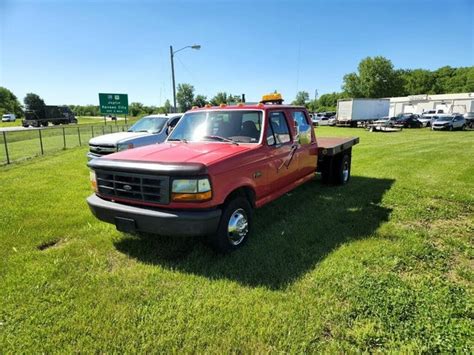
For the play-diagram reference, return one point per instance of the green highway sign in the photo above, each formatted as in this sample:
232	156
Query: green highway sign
113	103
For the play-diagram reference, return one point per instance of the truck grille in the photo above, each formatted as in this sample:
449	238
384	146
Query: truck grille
102	149
137	187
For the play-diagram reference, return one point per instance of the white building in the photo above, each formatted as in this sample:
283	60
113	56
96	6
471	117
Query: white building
449	103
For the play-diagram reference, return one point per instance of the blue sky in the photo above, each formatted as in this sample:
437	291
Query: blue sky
68	51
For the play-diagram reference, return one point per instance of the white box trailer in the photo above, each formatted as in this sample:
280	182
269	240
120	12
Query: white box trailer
352	111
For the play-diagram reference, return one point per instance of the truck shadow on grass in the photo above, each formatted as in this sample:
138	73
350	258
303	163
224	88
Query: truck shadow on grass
290	236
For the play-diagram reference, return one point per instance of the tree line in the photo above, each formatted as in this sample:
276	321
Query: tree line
376	77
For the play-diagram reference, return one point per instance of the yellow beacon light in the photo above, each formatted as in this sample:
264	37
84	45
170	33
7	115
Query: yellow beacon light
273	98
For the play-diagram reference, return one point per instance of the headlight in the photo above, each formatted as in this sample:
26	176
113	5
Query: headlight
124	146
93	180
191	190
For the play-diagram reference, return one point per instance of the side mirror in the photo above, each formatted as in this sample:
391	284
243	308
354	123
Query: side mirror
304	134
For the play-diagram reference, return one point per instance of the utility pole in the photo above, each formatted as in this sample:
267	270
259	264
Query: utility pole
172	53
172	76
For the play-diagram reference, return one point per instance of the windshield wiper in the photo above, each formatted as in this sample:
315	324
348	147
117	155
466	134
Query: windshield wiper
222	139
177	140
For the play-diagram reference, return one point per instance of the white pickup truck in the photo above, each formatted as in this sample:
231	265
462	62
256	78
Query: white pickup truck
148	130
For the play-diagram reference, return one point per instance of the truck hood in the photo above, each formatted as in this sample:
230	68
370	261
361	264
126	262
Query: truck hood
179	152
114	138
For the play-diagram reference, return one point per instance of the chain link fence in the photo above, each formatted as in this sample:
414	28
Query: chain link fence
20	144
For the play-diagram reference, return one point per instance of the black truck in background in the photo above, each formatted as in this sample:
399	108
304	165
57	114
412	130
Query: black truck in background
49	114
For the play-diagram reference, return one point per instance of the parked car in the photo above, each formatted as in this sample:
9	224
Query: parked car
8	117
332	121
469	117
148	130
319	119
407	120
387	121
426	118
449	122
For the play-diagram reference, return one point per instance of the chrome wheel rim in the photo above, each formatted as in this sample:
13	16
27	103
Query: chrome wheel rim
237	227
345	171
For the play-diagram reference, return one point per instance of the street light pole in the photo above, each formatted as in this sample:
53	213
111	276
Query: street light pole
172	75
172	53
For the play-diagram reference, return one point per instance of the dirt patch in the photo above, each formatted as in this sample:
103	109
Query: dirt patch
49	244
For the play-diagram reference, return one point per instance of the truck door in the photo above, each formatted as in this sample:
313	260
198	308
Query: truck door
283	165
306	147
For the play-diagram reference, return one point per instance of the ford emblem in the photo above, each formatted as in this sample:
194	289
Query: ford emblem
127	187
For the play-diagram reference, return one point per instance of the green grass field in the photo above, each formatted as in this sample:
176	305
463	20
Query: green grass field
384	263
26	144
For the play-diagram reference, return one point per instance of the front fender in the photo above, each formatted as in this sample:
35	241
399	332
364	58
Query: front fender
225	187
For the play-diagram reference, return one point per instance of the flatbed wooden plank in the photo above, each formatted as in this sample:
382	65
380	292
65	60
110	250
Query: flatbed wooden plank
334	145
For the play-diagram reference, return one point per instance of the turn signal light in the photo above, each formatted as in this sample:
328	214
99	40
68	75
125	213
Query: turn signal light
208	105
93	180
186	197
222	105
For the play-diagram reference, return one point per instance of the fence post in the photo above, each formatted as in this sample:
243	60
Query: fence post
6	147
41	141
111	129
103	130
64	138
92	131
79	136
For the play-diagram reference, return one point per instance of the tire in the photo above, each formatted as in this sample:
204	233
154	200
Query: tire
342	173
236	214
337	171
450	128
463	127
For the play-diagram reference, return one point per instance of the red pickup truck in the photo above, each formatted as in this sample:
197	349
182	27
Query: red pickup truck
217	165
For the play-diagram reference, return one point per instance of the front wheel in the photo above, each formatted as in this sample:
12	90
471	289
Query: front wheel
234	226
450	128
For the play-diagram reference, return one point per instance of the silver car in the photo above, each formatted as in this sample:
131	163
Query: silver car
449	123
148	130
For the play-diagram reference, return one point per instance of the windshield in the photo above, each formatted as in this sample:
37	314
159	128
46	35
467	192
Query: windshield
445	118
149	124
224	126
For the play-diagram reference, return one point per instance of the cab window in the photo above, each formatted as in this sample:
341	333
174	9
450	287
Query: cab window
304	129
278	131
300	118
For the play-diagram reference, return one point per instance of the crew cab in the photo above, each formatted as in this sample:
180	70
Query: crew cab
215	168
148	130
